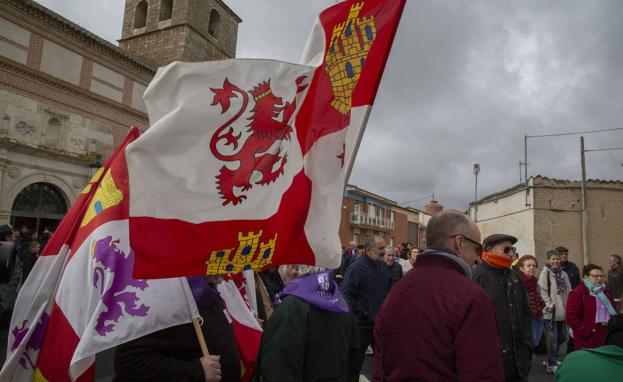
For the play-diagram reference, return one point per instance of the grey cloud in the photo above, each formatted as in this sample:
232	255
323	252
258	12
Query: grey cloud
465	81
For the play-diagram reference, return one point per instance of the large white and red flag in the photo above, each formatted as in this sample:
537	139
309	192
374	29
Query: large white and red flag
81	297
246	161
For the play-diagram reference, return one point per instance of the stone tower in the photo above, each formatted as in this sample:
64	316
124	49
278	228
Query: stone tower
163	31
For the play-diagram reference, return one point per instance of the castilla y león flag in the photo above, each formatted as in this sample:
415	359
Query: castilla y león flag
245	162
81	298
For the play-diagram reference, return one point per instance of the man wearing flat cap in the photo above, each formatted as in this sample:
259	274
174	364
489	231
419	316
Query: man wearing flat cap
512	311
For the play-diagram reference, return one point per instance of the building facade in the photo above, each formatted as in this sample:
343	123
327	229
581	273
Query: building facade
547	213
367	214
68	97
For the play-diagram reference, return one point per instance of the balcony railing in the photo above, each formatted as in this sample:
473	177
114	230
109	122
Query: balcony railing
372	221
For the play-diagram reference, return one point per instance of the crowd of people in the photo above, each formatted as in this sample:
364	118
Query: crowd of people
463	309
19	250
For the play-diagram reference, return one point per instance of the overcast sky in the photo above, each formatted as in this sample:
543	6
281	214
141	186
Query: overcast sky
465	81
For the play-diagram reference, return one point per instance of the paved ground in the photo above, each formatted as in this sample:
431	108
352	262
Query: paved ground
537	373
103	369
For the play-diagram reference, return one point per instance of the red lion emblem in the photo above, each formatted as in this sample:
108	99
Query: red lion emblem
265	129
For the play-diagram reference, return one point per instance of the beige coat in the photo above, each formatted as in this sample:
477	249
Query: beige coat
555	303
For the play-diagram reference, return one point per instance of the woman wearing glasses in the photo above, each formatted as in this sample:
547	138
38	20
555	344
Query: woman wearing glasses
589	309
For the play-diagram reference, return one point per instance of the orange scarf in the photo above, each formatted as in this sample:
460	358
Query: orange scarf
499	261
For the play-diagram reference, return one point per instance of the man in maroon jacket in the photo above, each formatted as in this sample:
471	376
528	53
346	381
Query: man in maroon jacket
448	330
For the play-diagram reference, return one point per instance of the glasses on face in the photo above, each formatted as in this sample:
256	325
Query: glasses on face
508	250
599	276
479	248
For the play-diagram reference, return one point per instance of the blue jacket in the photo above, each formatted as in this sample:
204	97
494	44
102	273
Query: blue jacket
365	286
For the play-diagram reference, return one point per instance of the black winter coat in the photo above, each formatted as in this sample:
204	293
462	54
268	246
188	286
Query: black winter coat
572	271
512	312
365	287
173	354
395	270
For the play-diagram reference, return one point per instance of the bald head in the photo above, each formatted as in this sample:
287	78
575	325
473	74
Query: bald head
452	229
442	226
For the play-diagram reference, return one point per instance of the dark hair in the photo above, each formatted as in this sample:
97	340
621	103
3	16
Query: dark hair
552	253
525	258
589	267
361	246
617	258
443	225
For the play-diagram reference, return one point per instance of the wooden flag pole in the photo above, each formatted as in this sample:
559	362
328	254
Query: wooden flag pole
200	338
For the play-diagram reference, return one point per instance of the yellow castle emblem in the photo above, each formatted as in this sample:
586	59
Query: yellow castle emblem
350	43
106	196
37	376
249	254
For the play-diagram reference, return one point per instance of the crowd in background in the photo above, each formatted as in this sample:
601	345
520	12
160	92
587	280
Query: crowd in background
462	309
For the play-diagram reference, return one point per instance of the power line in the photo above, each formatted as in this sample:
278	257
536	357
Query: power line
574	133
417	200
608	149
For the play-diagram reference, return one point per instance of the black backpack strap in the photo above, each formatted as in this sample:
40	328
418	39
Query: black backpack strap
549	285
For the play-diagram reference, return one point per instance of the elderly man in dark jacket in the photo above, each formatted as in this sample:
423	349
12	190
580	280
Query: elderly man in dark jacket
510	299
395	269
447	330
365	287
569	267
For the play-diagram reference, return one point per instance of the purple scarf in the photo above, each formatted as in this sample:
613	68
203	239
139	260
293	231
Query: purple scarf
319	289
561	285
204	292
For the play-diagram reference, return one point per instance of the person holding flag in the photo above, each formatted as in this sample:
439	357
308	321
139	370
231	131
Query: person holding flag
174	353
255	154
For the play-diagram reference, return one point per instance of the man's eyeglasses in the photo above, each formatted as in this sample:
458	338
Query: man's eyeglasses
479	248
508	250
597	276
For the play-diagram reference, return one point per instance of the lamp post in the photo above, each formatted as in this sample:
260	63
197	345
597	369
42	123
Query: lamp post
476	171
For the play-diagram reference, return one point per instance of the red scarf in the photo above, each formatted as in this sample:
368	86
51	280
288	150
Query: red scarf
536	301
499	261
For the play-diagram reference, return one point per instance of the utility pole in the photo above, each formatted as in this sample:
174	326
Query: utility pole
525	158
584	211
476	171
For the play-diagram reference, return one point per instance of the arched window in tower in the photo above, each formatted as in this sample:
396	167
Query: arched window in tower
215	21
140	14
166	9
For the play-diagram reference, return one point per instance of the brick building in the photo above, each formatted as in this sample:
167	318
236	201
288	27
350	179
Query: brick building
547	213
365	214
68	97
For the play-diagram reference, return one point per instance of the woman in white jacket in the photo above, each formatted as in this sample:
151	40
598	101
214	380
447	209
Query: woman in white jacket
555	287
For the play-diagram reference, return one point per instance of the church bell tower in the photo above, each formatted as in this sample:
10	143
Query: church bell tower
163	31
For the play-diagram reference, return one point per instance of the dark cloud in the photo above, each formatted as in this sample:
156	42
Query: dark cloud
464	83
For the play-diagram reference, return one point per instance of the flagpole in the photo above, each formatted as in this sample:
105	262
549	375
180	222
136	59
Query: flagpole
200	338
351	161
194	313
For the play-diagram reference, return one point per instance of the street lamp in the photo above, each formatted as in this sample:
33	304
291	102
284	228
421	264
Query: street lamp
476	171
